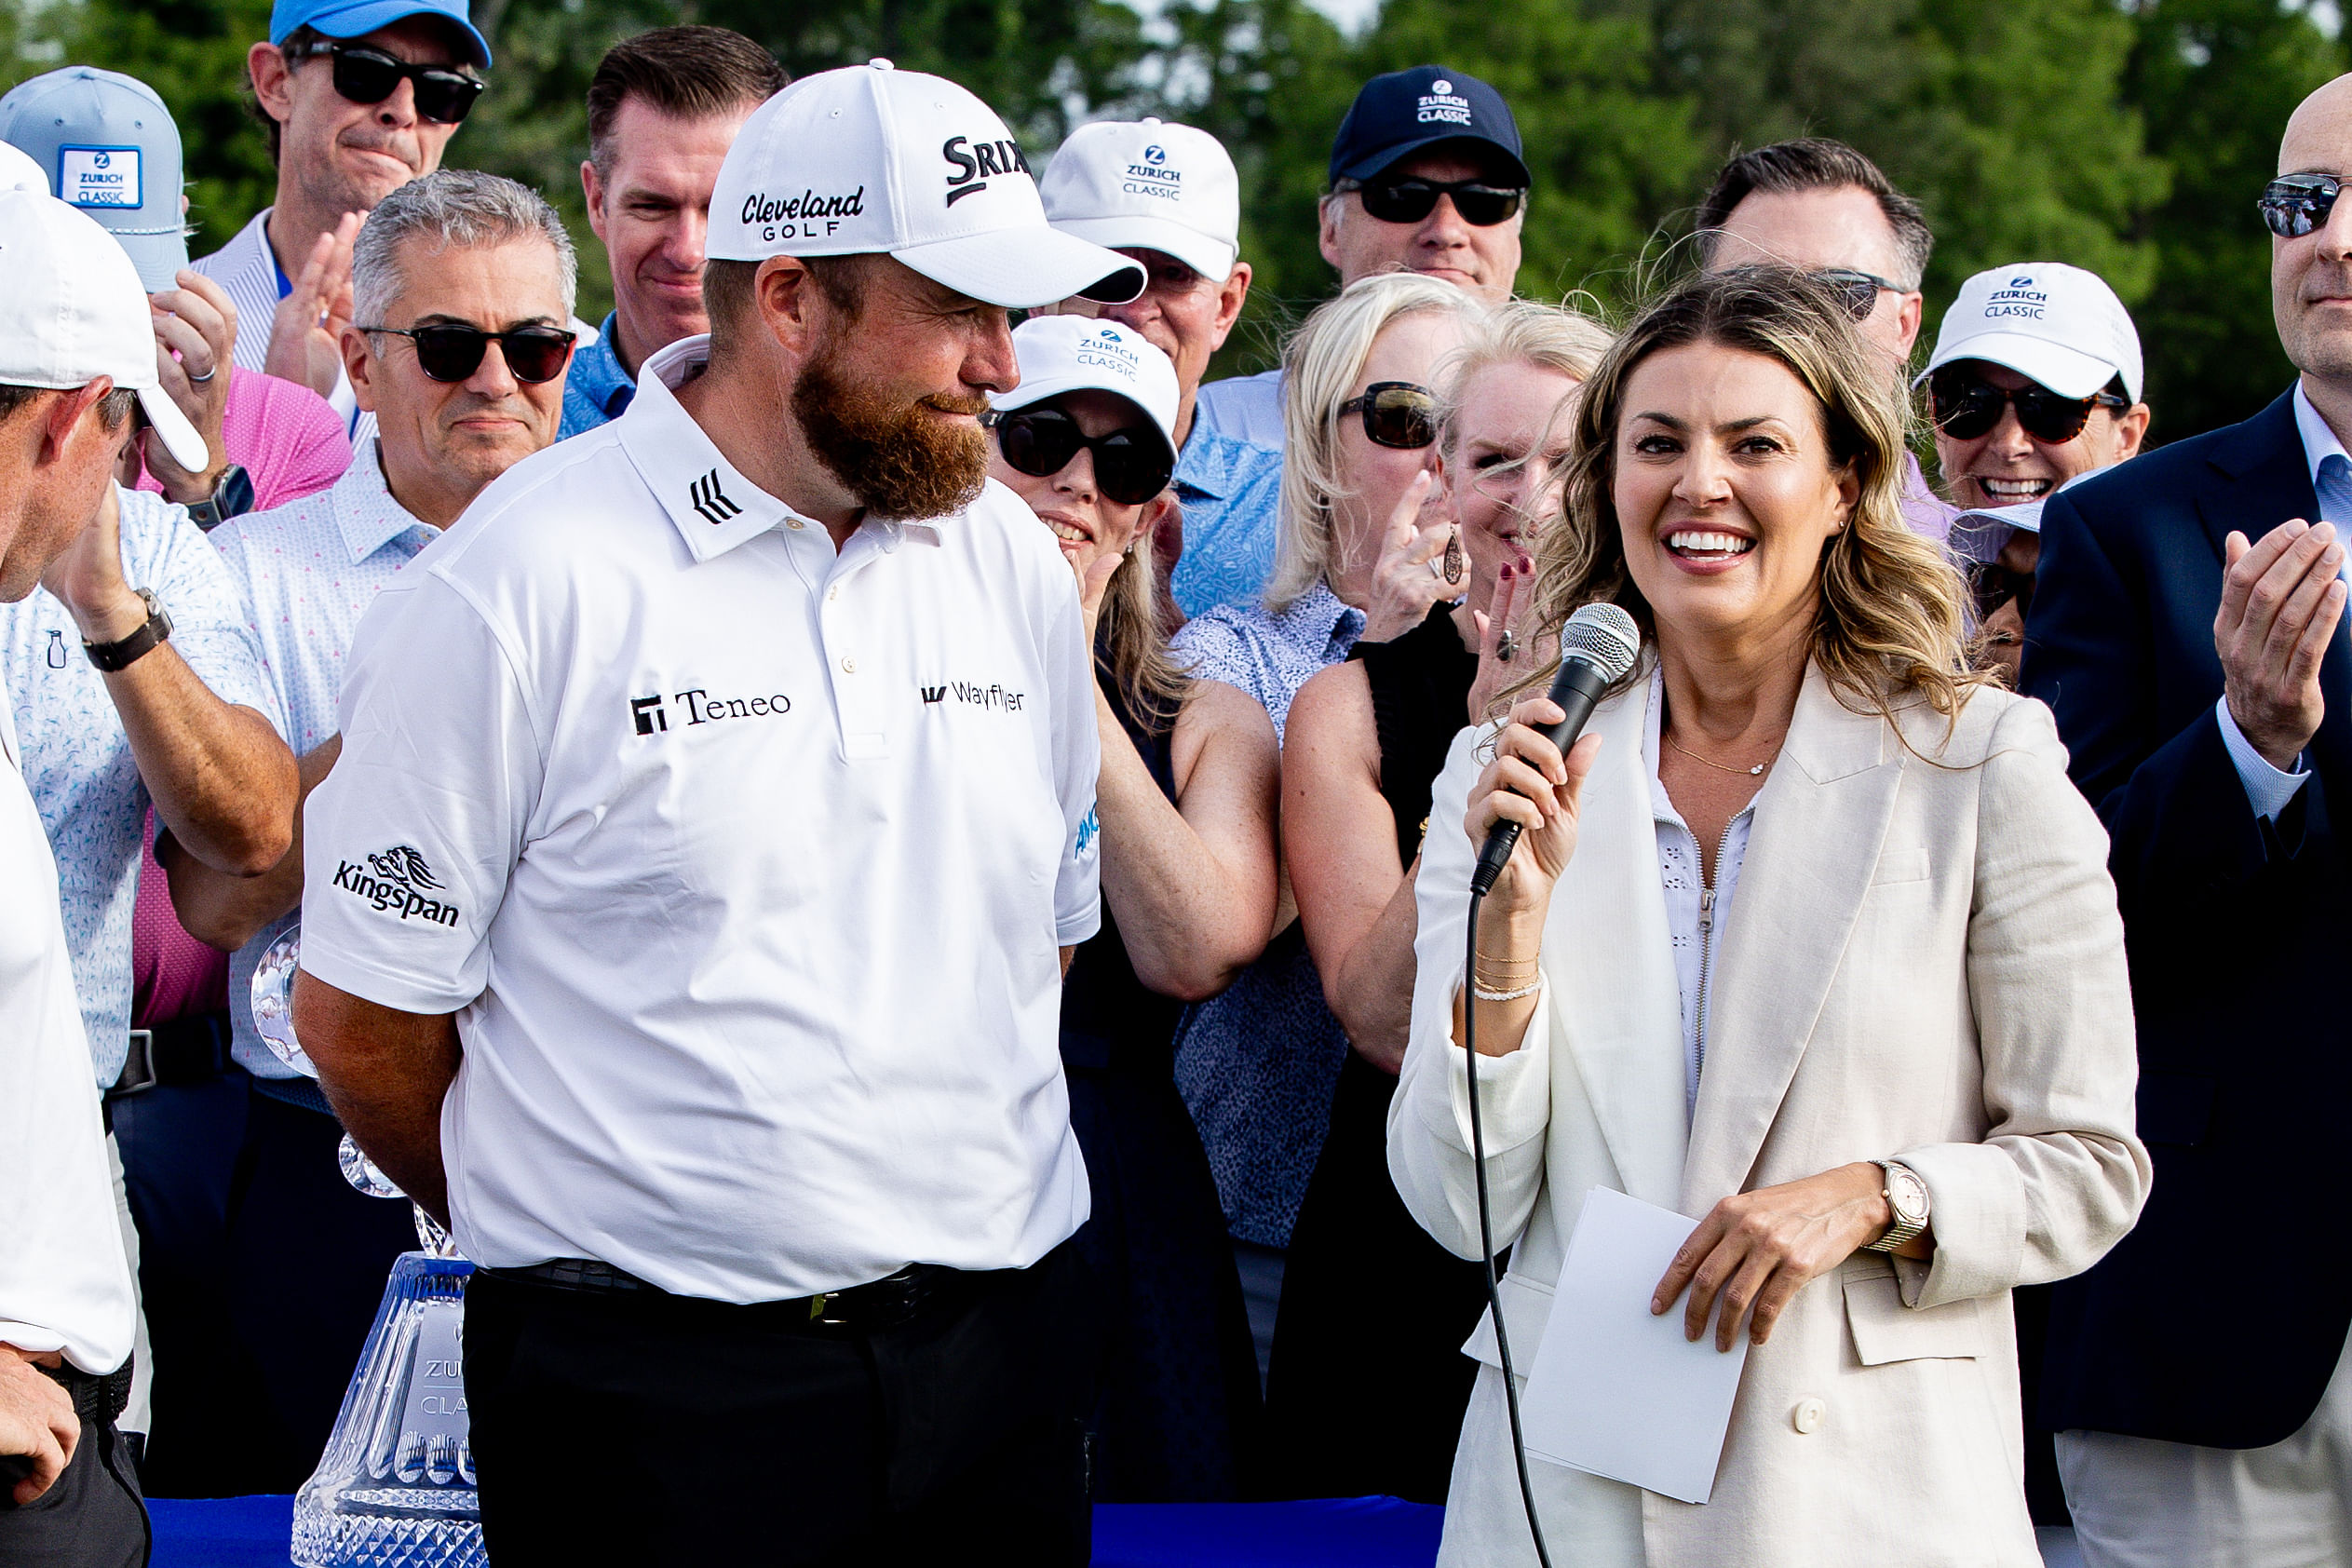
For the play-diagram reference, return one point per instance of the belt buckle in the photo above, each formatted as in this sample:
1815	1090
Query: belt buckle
139	1065
816	1306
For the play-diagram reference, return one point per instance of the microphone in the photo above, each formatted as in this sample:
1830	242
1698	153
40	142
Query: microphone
1597	647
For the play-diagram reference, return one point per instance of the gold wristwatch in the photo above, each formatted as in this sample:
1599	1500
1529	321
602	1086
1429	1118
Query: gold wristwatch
1906	1196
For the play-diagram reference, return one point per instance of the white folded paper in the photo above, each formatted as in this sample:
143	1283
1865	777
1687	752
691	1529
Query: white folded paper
1616	1391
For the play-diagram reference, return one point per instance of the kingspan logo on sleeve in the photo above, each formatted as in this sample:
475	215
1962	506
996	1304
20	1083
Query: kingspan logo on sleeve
398	882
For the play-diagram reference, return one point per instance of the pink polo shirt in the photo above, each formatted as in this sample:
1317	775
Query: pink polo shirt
288	438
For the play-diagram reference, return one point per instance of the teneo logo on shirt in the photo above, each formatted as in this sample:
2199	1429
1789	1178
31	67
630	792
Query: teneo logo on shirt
2020	299
1442	105
976	162
99	177
1152	176
648	715
805	216
398	882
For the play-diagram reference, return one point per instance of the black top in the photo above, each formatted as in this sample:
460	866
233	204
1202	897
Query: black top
1110	1020
1421	697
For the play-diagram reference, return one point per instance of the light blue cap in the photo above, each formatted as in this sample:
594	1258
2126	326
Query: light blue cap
357	18
110	150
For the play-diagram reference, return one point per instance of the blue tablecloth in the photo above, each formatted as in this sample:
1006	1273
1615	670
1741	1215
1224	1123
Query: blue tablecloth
1354	1533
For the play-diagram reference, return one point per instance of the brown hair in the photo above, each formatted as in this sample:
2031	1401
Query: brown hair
1815	163
1889	625
113	408
684	72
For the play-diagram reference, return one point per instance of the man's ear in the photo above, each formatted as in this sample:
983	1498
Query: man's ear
1327	234
1231	297
592	190
72	417
358	367
788	300
272	80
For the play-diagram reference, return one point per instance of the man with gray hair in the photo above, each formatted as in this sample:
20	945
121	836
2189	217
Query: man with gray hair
461	283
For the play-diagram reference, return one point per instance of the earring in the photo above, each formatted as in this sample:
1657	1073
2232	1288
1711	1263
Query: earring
1454	557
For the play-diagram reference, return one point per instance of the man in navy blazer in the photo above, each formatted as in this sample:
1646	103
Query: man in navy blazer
2187	629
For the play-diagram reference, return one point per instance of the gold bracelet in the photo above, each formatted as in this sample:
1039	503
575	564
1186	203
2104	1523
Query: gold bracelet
1512	962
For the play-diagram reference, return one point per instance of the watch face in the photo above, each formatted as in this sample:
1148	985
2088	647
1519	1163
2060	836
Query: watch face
1906	1194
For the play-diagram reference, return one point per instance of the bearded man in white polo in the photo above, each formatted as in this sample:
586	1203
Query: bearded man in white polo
736	764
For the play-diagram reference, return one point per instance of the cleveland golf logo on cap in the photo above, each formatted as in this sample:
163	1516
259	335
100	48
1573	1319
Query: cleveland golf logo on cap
976	162
805	216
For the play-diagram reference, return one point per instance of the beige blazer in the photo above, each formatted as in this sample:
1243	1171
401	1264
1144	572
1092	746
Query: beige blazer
1919	961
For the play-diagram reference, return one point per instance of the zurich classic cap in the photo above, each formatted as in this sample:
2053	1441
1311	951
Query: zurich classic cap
73	311
109	148
1400	113
1059	353
1141	185
2058	325
869	160
357	18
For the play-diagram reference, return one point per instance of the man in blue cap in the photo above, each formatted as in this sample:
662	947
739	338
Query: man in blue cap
1426	176
359	97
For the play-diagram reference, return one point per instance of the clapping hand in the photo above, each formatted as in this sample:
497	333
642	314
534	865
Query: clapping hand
305	337
2281	598
195	331
1408	578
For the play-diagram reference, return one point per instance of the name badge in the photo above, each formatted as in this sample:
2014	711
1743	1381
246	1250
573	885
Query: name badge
99	177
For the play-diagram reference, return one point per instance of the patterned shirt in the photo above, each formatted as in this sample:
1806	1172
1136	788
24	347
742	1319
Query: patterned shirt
78	760
1231	489
595	389
1246	407
1257	1064
308	572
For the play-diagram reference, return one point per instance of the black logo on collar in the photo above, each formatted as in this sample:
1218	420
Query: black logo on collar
710	501
974	162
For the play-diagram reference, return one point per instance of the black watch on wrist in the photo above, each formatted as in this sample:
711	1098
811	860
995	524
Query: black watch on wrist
152	634
231	497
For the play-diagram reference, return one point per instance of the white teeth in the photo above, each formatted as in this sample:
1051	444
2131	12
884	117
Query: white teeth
2014	489
1063	530
1692	542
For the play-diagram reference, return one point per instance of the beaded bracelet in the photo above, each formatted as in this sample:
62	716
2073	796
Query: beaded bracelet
1485	995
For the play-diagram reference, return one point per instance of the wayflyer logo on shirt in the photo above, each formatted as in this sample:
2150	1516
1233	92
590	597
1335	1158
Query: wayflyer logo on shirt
398	881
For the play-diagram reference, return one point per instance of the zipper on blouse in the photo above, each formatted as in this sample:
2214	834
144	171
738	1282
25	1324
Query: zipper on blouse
1706	944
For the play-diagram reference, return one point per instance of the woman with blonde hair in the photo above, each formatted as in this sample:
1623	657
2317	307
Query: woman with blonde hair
1365	741
1808	935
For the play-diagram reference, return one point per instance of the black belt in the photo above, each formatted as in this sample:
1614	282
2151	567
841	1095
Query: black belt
888	1303
98	1399
185	1050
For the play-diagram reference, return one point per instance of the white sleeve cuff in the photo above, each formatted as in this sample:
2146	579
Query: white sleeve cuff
2267	789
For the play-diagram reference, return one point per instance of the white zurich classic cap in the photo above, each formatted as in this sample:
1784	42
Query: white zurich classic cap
868	159
1059	353
74	310
1141	185
2058	325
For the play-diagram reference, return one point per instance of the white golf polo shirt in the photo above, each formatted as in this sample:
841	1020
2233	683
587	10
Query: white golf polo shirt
743	864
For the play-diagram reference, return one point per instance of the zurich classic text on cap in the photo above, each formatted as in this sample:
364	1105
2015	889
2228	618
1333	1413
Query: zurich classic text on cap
357	18
1403	111
1059	353
1143	185
110	148
869	160
73	311
2052	323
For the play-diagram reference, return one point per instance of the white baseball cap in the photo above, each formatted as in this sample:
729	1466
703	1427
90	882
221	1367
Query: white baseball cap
74	310
18	172
867	158
1060	354
1145	184
2055	324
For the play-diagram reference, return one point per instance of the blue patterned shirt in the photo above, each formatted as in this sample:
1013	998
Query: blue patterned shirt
78	762
595	389
1231	489
307	571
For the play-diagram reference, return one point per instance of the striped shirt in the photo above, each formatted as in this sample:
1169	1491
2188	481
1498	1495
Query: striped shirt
247	269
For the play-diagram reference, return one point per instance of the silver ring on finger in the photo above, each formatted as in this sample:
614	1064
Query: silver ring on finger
1505	645
197	380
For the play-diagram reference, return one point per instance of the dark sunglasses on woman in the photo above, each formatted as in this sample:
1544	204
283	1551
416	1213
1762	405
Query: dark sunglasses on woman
1130	466
2294	205
1967	406
1856	291
534	354
364	75
1395	413
1410	200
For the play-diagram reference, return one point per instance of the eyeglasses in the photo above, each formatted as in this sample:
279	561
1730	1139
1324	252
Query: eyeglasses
365	76
2294	205
1855	289
1396	413
1996	585
1130	466
1407	201
535	354
1967	407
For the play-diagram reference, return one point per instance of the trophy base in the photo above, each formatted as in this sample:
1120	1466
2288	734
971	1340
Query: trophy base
359	1535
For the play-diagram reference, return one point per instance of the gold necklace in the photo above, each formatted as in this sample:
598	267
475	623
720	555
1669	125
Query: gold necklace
1756	772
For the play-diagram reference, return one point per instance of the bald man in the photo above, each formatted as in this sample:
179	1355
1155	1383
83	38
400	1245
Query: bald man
2187	627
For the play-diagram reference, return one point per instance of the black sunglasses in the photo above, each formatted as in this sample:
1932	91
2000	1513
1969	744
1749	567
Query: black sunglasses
2296	204
1410	200
1996	585
366	76
1130	466
1858	290
1967	407
535	354
1395	413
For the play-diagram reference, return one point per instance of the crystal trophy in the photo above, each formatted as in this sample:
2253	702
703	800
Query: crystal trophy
395	1487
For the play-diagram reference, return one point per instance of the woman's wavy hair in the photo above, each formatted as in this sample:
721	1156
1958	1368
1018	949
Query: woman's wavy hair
1890	625
1131	645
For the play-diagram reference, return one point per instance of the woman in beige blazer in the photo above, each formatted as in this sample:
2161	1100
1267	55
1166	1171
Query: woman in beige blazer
1807	897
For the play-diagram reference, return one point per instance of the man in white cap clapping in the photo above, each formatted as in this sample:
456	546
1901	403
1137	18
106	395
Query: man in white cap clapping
682	918
2034	383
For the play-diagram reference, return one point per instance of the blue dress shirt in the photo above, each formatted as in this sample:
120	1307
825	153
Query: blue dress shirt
1231	491
596	389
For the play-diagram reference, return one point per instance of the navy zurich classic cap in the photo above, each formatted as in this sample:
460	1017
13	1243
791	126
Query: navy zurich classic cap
1403	111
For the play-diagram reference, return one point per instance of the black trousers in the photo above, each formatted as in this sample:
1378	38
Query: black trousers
643	1429
93	1517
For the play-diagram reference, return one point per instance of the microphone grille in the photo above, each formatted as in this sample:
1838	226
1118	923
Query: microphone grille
1602	636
